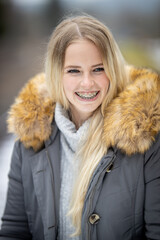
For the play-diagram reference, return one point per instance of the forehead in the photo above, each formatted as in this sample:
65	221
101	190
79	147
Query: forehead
81	43
82	50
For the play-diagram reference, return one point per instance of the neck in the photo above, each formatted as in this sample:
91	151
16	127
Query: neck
78	119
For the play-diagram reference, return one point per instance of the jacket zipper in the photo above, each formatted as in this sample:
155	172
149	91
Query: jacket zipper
92	194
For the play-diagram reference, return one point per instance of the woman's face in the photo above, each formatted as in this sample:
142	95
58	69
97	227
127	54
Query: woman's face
84	80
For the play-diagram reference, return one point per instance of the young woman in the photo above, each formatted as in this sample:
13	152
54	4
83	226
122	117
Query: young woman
87	162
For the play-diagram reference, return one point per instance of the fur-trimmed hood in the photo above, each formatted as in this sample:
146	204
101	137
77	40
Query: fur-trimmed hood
131	120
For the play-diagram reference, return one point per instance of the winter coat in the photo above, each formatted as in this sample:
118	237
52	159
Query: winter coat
123	197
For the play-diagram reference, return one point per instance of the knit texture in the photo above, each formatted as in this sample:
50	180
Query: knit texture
70	139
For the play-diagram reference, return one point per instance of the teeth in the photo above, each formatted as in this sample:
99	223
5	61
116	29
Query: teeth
87	95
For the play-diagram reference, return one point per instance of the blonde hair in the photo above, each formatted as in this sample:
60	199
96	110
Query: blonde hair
93	148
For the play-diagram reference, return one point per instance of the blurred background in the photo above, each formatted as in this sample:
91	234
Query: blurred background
25	27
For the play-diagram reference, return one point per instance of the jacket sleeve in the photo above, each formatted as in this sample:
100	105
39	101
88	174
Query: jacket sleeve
152	192
14	220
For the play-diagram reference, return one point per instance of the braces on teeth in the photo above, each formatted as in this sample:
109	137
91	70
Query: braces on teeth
87	95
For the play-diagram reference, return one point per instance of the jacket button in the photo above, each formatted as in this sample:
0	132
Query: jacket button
94	218
109	168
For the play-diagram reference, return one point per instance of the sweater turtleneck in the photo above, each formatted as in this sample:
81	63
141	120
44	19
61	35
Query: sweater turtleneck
70	138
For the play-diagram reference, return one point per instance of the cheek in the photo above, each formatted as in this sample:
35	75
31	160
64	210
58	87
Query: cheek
104	84
67	86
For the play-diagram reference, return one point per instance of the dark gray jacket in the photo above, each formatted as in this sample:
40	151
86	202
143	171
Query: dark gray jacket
123	197
122	202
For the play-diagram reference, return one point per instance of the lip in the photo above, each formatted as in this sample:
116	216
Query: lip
88	92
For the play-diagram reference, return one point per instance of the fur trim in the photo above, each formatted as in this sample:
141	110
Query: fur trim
131	120
31	115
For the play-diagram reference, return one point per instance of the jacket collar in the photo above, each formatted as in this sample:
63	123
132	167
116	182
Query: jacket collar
131	120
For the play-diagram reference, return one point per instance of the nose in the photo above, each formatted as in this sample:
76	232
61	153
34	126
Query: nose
87	81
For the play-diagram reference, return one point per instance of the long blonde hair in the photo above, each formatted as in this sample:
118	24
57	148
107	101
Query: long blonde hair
93	147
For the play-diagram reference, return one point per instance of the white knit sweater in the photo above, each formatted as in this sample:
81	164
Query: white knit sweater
69	139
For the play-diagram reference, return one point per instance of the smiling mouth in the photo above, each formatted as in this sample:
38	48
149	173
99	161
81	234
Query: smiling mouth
90	95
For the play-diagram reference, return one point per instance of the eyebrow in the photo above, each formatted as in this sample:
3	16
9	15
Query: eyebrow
76	66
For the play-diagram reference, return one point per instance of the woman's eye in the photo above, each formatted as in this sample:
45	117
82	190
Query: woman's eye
73	71
99	69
